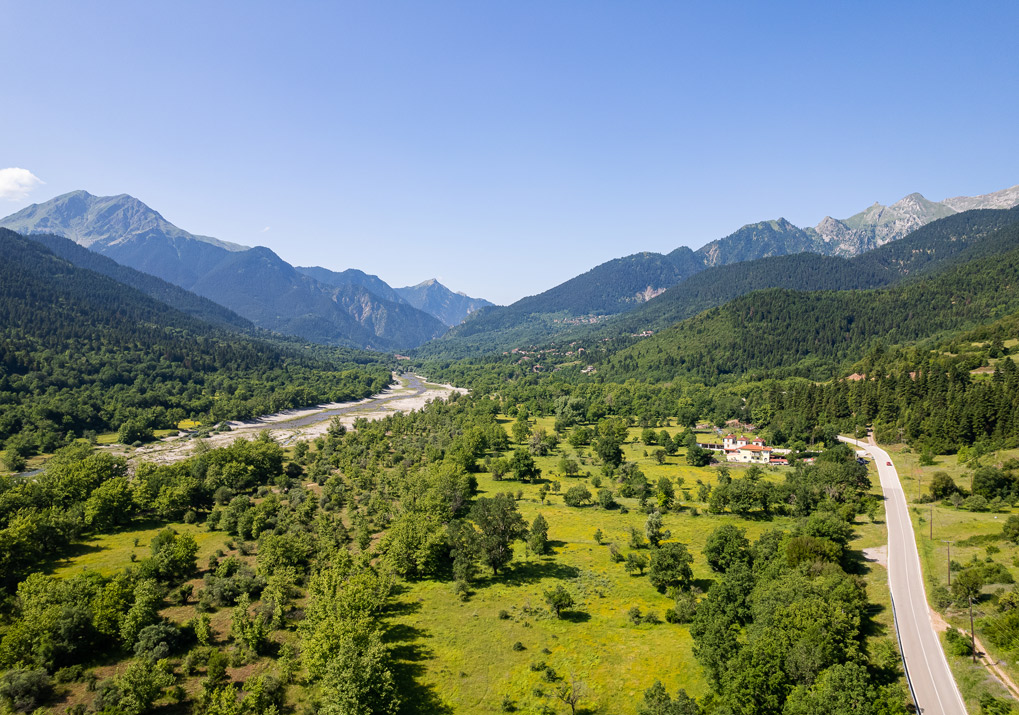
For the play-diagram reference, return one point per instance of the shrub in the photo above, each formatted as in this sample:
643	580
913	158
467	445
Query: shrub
957	644
23	690
156	642
518	646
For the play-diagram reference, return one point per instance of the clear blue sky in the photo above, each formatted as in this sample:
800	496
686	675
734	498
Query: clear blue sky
505	146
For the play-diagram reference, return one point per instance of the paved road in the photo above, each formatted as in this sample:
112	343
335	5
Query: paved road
926	668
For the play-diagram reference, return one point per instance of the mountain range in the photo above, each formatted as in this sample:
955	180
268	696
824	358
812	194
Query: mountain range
627	284
350	308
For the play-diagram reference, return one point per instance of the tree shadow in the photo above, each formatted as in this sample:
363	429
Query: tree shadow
703	584
409	655
523	572
575	616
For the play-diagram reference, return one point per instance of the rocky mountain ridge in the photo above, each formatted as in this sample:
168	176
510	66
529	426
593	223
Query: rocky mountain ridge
253	282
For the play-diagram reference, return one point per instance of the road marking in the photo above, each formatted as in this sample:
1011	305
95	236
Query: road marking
902	525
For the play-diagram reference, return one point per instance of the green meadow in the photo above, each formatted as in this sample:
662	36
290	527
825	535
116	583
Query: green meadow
469	653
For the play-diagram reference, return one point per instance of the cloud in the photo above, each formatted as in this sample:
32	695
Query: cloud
265	229
17	184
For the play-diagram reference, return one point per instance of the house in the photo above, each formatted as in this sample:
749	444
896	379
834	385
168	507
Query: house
749	453
756	451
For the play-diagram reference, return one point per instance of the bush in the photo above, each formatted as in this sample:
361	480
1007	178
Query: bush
23	690
940	597
577	496
504	615
156	642
957	644
684	610
976	503
69	674
518	646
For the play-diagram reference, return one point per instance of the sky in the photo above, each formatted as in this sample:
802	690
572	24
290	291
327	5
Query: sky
503	147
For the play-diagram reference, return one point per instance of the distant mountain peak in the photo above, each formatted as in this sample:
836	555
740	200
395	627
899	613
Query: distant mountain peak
436	299
97	221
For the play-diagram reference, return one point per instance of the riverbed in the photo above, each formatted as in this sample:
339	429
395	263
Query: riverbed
411	392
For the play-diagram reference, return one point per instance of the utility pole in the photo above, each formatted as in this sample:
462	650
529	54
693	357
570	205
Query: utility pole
932	522
949	561
972	630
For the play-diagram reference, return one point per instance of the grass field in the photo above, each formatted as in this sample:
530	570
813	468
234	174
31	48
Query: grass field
463	653
110	553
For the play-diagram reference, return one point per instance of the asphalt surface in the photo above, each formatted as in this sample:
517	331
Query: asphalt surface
929	677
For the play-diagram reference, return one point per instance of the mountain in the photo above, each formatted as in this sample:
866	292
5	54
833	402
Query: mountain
99	221
253	282
352	276
926	249
261	286
780	332
174	296
438	300
634	283
757	240
877	225
607	289
81	351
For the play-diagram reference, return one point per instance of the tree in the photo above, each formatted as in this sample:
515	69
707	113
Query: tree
24	690
726	546
698	456
144	611
967	586
134	692
522	465
558	599
357	678
577	496
521	428
571	693
942	486
605	499
671	567
666	493
568	467
608	448
653	529
658	702
13	462
537	538
1010	529
133	431
109	505
500	524
635	561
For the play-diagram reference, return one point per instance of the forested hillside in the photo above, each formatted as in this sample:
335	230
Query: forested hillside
532	321
606	289
930	248
157	288
80	351
781	332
